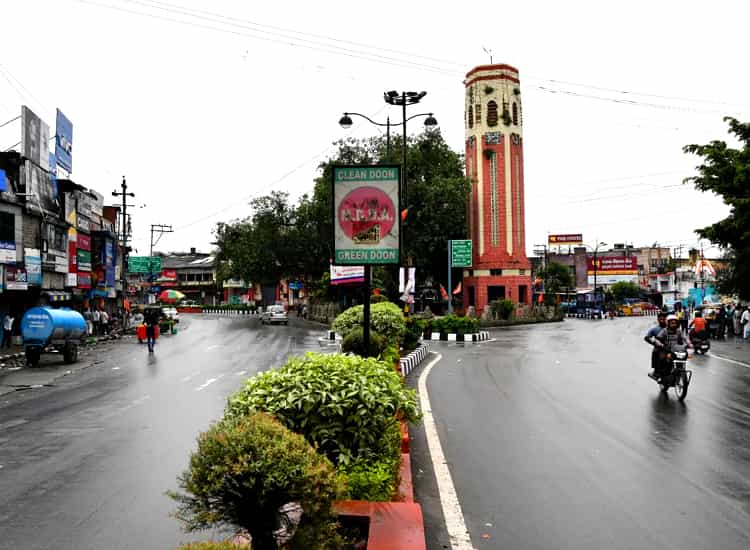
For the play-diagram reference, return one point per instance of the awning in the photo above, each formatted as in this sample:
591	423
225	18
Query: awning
57	295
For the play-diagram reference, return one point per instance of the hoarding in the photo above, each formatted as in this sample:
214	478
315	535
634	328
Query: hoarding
64	142
612	269
39	187
343	274
34	139
33	262
15	278
366	214
7	252
569	239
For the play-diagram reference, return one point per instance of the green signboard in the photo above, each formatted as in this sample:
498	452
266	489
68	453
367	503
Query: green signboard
461	253
366	214
140	264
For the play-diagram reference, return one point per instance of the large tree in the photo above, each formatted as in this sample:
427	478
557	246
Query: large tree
725	171
557	277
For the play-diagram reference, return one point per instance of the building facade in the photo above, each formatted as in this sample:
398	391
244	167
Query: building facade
494	166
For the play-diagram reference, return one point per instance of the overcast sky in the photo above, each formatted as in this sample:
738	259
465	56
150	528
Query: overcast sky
244	97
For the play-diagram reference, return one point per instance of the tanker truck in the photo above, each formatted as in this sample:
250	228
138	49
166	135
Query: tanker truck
45	327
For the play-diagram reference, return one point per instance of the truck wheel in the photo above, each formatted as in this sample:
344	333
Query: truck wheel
70	353
32	357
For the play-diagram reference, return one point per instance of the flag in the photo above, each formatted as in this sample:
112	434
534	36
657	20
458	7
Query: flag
443	292
457	290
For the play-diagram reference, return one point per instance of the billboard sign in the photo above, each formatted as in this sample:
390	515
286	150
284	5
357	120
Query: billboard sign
40	188
612	269
343	274
15	278
34	139
64	142
366	214
33	261
7	252
570	239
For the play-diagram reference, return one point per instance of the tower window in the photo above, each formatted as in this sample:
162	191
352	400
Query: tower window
471	116
515	114
479	113
491	113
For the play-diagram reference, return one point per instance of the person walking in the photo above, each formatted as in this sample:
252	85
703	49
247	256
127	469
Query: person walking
7	331
97	318
151	320
105	322
745	322
737	316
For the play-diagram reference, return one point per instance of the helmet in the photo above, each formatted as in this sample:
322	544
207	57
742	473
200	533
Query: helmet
671	318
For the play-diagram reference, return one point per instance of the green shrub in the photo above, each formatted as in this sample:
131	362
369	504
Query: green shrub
390	355
375	479
378	298
414	330
503	308
211	545
342	404
354	342
386	318
454	324
248	467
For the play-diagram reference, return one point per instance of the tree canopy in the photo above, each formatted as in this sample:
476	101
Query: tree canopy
283	240
556	277
725	171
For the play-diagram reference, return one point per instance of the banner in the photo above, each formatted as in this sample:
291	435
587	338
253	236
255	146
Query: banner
366	220
341	274
41	192
7	252
33	261
15	278
576	238
34	139
612	269
64	142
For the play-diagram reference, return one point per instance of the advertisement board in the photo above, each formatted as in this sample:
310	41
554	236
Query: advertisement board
15	278
612	269
569	239
83	242
64	142
366	214
83	258
7	252
343	274
40	189
34	139
84	280
33	262
233	283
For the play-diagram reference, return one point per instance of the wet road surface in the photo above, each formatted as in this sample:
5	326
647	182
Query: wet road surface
556	439
85	464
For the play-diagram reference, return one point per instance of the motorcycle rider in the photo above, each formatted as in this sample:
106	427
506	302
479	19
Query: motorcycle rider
670	339
650	337
698	327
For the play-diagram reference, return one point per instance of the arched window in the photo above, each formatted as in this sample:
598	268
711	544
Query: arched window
471	116
515	114
491	113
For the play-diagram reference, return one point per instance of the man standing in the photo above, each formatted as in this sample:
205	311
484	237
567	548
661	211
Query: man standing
7	330
97	318
745	322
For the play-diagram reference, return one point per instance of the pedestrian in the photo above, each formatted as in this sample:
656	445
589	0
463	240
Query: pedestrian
104	316
737	316
150	319
7	330
720	322
96	317
745	322
88	318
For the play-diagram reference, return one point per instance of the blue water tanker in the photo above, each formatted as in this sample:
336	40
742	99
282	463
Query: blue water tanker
44	327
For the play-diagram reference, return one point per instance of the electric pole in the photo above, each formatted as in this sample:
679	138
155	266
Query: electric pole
160	229
124	242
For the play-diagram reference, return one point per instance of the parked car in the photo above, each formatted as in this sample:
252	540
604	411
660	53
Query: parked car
274	314
171	313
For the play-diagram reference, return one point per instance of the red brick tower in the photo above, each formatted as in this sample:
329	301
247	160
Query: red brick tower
494	165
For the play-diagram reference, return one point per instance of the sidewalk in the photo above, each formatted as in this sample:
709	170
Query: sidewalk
15	375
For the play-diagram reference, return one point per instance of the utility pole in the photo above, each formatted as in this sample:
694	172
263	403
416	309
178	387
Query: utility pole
160	229
124	242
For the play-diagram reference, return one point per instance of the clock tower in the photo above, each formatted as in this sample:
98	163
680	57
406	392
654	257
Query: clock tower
493	124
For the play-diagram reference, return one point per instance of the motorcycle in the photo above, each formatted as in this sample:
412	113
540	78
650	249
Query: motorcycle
701	343
679	377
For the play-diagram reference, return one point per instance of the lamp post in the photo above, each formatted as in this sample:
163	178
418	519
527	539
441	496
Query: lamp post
596	250
393	98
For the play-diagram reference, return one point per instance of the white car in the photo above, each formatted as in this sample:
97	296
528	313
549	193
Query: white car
171	312
274	314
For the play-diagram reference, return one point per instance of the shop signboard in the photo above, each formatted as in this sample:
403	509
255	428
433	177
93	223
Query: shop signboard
7	252
612	269
71	279
84	280
233	283
84	242
366	214
33	262
83	258
568	239
15	278
343	274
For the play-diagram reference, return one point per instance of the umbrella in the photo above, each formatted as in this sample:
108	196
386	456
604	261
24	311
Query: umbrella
171	296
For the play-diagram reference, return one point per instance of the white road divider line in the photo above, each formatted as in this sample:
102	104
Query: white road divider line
452	513
208	383
728	360
242	373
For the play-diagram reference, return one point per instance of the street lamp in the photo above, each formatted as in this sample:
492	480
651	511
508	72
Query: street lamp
596	250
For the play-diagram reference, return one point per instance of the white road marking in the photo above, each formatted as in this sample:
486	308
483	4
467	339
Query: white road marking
454	517
241	373
115	368
209	348
208	383
728	360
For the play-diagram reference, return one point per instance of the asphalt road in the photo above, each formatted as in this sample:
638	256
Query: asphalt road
556	439
85	464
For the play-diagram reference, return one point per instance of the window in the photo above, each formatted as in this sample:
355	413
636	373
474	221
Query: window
479	113
182	277
7	227
191	277
515	114
471	116
496	272
492	113
523	292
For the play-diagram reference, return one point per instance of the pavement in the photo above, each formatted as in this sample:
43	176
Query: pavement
555	438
